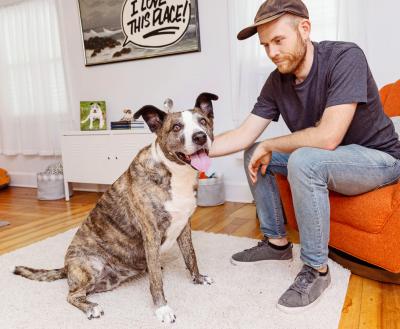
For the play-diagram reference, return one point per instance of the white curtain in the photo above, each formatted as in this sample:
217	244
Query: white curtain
249	64
330	20
33	98
352	21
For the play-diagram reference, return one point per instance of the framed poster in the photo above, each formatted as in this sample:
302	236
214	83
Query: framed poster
122	30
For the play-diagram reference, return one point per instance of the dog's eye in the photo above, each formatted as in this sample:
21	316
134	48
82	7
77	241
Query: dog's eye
203	122
176	128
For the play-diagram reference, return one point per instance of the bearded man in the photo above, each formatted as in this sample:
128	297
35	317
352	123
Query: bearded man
340	140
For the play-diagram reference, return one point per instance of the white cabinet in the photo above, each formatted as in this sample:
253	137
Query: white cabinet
99	157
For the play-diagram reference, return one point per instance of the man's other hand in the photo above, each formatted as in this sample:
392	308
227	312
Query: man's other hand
260	158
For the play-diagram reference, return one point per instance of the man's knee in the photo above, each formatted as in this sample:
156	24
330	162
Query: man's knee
304	161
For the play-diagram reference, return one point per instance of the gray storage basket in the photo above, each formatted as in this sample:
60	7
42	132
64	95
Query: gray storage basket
50	186
211	192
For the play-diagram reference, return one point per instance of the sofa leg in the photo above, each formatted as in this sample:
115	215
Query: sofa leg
362	268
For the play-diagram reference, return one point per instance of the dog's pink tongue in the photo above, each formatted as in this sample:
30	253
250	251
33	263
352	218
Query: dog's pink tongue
200	161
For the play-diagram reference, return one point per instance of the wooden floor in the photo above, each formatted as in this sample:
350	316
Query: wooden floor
368	304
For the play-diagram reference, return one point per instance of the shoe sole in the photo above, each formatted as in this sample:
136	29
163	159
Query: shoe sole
296	310
237	263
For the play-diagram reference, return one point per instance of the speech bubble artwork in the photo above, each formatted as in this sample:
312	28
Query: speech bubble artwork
155	23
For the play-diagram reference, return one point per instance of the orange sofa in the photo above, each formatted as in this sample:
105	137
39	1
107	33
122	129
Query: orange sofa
366	226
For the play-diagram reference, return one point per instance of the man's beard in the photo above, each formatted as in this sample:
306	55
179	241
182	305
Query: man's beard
292	61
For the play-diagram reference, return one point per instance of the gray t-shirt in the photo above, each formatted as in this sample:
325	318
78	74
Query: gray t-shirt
339	75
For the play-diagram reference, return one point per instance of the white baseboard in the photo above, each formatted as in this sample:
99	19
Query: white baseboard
23	179
89	187
233	192
238	193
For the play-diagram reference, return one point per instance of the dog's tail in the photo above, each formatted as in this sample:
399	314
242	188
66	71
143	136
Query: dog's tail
40	275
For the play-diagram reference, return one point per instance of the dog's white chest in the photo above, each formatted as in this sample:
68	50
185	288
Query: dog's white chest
181	207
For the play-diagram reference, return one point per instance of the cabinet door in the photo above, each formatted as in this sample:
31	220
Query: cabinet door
87	159
124	148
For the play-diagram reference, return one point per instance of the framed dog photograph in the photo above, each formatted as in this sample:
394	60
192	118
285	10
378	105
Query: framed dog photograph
93	115
121	30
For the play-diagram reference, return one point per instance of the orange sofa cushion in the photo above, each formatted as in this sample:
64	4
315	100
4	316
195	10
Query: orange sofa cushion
356	210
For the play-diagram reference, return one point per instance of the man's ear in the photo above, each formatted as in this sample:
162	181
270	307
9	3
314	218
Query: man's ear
204	103
153	116
305	29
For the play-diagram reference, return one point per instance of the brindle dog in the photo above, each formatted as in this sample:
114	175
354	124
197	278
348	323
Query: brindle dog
141	215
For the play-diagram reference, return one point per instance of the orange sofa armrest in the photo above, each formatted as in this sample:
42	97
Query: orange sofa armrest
390	98
384	92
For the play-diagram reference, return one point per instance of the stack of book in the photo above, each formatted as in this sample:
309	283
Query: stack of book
136	124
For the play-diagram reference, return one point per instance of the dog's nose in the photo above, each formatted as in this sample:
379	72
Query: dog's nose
199	138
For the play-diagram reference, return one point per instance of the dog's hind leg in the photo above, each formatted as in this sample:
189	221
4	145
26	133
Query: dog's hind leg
112	278
81	282
79	300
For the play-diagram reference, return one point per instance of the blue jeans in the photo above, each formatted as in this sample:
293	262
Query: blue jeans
312	172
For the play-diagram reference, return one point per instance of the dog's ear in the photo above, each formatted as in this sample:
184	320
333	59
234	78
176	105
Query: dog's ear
153	116
204	103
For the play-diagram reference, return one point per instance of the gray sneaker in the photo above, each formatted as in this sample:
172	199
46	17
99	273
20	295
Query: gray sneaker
305	290
262	252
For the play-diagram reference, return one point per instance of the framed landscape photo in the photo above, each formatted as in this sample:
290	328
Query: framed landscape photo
122	30
93	115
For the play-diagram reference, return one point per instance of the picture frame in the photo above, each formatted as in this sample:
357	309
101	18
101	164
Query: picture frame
122	30
93	115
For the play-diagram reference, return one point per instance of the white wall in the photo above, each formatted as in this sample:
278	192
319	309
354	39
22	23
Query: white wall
383	51
181	77
133	84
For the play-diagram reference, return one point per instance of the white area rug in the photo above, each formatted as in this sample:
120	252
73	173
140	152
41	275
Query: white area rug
241	297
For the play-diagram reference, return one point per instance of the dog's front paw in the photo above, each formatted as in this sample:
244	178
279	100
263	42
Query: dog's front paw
165	314
94	312
202	279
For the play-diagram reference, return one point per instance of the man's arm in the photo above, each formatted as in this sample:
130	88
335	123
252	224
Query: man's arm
240	138
328	134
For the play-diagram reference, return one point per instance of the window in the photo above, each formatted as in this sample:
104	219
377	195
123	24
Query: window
33	99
